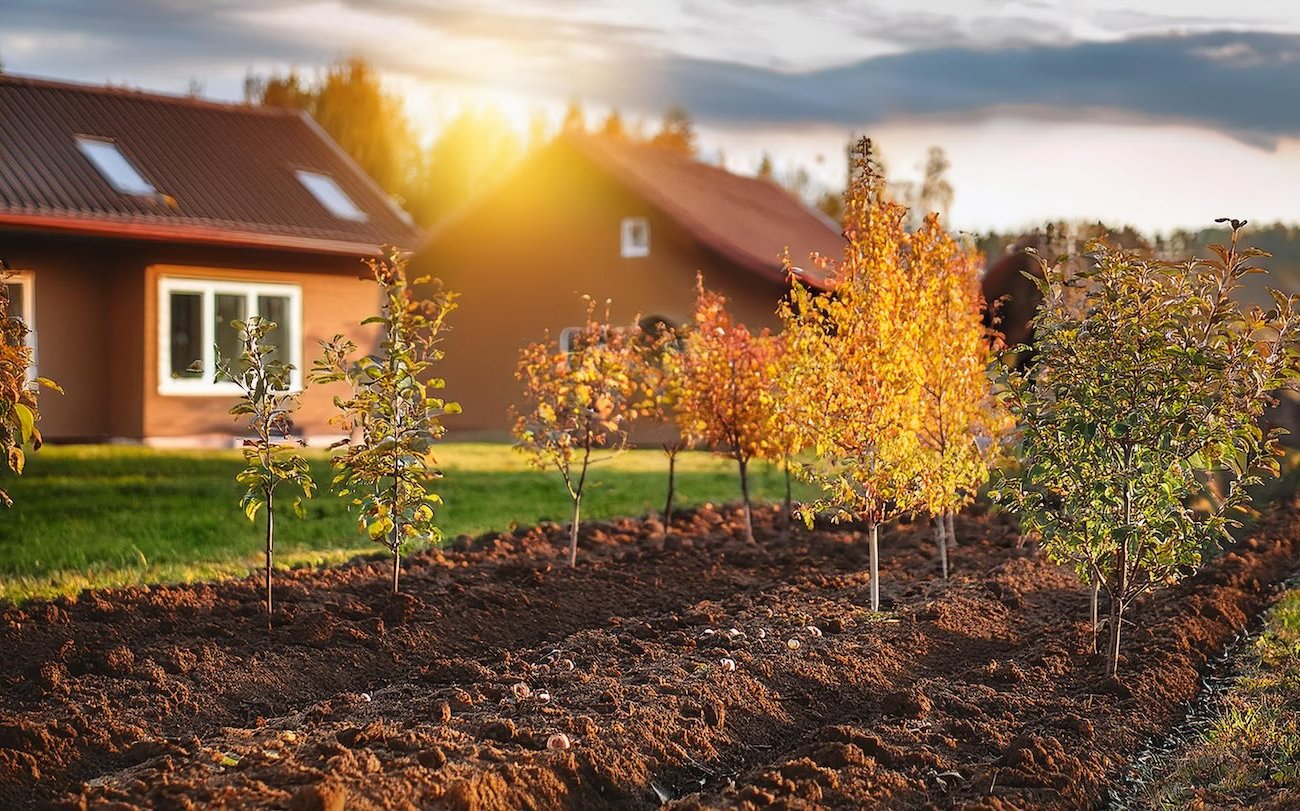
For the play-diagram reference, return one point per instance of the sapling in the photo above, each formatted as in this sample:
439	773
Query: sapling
391	412
851	370
576	405
1146	376
19	411
725	391
271	455
657	373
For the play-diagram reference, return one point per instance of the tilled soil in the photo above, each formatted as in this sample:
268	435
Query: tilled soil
689	671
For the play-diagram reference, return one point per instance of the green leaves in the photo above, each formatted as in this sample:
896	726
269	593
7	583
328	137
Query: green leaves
391	410
18	398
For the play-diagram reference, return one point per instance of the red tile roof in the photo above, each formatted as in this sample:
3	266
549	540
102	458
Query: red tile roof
747	220
224	172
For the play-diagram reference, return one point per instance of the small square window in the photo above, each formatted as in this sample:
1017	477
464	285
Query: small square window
635	237
120	173
330	194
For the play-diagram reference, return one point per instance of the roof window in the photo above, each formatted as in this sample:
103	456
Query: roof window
114	166
330	195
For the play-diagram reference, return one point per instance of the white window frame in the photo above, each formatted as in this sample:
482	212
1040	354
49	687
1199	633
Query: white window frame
629	247
566	338
208	385
26	280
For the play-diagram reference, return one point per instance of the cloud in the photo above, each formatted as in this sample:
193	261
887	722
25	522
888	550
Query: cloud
1241	83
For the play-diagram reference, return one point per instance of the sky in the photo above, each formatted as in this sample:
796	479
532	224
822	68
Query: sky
1156	114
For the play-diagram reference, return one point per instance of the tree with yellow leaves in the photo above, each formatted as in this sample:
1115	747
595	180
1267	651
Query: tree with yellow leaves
786	439
852	371
657	372
577	404
724	388
955	406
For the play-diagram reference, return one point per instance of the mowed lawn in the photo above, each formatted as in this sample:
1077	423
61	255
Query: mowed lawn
94	516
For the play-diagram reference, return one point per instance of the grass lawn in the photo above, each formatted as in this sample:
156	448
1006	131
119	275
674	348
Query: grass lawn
94	516
1251	751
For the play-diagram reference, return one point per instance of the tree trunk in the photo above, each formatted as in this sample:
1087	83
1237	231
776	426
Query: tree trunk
940	538
873	541
270	546
1117	609
789	493
397	566
744	493
672	488
1096	588
573	533
952	533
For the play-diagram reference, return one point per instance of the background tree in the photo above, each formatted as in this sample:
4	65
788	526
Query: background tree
765	169
474	149
935	194
676	132
576	404
19	410
1145	375
386	468
613	126
786	437
575	120
349	102
851	366
271	456
724	391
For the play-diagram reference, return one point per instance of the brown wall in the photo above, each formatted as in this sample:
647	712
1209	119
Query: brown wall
521	261
96	306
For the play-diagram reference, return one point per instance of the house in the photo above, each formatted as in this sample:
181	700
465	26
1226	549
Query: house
627	222
137	226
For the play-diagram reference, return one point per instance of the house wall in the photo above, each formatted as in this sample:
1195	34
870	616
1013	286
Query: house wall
521	260
97	332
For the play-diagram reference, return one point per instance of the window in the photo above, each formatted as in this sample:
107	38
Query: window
636	237
114	166
21	289
566	338
194	330
330	195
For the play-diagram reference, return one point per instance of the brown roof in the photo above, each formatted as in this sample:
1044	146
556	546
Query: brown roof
747	220
224	172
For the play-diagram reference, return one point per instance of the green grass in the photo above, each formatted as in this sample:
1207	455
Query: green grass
95	516
1252	749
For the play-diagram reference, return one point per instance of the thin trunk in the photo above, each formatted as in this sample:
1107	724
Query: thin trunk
873	540
270	544
573	532
1096	588
744	493
672	487
940	538
1120	588
789	499
952	533
397	566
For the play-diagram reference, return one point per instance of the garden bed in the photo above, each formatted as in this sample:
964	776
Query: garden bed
974	693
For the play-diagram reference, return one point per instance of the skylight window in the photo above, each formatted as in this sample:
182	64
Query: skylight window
114	166
329	194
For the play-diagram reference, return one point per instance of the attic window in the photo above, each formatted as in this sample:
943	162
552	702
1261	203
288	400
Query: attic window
329	194
636	237
114	166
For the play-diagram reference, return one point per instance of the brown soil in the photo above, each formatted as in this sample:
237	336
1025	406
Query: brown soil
695	671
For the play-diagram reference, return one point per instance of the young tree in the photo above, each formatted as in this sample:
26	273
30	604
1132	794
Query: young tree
272	457
957	420
657	373
724	391
786	436
391	409
19	411
851	366
577	404
1146	375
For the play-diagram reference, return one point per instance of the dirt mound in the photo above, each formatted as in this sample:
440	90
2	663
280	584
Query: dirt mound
693	670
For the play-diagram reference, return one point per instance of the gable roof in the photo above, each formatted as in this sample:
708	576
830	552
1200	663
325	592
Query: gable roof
746	220
224	173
